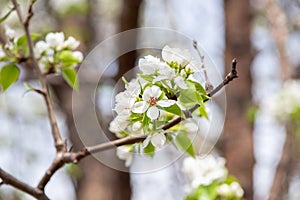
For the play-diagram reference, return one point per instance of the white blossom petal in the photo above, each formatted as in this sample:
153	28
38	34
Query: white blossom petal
78	55
55	40
125	153
153	112
166	103
179	81
71	43
140	107
146	141
153	91
158	140
181	56
136	126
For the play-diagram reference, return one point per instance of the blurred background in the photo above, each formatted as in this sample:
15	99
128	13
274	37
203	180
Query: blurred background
260	152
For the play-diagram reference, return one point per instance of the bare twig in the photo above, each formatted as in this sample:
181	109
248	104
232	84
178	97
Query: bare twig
59	143
208	86
11	180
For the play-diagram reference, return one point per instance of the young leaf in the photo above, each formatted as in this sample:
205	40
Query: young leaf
67	58
22	40
174	109
9	74
185	144
198	87
149	150
69	74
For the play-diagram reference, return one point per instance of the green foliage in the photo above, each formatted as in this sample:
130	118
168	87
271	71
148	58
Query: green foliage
67	58
9	74
185	144
70	76
204	192
149	150
174	109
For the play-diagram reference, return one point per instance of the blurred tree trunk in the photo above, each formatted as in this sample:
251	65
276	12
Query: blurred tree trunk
237	140
129	20
98	181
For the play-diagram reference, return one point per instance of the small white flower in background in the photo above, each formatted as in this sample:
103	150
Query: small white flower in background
204	171
78	55
40	47
119	124
158	140
2	53
71	43
285	102
182	57
10	33
179	81
150	100
125	152
55	40
230	190
191	125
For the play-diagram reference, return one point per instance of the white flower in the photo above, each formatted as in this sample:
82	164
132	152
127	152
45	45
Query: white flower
119	124
165	72
55	40
150	64
234	189
2	53
40	47
182	57
10	33
125	152
71	43
136	126
191	125
150	102
78	55
204	171
179	81
158	140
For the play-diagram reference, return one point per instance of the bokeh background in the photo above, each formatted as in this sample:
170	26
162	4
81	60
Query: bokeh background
260	152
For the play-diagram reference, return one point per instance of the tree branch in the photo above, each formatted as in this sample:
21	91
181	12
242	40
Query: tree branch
138	138
11	180
59	143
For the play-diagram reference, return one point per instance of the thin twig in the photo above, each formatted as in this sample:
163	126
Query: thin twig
208	86
11	180
59	143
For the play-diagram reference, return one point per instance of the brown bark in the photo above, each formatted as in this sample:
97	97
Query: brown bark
99	181
237	140
129	20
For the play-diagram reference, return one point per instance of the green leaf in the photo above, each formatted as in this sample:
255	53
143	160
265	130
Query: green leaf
188	98
202	111
67	58
9	74
69	74
149	150
198	87
147	77
185	144
174	109
22	40
2	19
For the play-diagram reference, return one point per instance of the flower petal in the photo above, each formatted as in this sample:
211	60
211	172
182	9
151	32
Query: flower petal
153	112
166	103
179	81
153	91
140	107
158	140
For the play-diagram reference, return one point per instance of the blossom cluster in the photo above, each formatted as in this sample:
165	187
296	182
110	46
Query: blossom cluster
164	89
208	177
52	54
285	105
55	52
